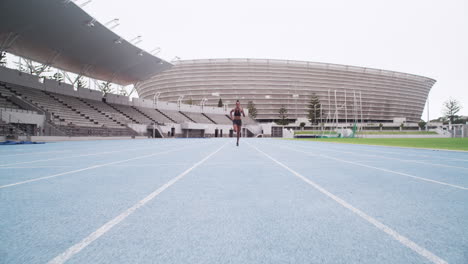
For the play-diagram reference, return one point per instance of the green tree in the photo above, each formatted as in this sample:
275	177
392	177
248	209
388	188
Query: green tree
105	87
58	77
80	83
20	67
283	117
123	91
451	108
380	126
302	125
37	70
313	114
252	109
189	101
422	124
220	102
3	59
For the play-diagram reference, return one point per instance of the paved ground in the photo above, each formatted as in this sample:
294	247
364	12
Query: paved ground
207	201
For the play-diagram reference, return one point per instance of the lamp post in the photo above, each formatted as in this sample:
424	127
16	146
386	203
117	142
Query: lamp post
136	40
156	99
295	96
179	101
203	102
114	21
155	51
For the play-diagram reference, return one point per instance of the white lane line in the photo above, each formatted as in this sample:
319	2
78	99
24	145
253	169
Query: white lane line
390	158
395	235
184	163
90	168
78	156
73	250
381	169
412	153
32	153
33	167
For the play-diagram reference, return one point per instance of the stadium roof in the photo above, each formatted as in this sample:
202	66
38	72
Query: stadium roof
61	34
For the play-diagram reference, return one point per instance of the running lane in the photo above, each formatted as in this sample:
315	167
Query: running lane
41	219
241	207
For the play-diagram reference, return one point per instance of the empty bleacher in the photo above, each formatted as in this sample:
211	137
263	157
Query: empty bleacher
98	118
5	102
60	114
154	114
78	116
247	120
107	111
220	119
133	114
175	115
198	117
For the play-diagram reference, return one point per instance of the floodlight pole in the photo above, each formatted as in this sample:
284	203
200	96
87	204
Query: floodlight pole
336	111
360	104
315	114
346	109
427	123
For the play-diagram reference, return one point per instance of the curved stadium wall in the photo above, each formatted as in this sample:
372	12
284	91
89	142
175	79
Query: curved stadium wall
375	95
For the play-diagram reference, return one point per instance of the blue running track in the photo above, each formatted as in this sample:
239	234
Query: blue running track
208	201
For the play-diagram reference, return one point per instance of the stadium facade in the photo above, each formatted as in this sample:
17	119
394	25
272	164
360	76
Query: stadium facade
346	92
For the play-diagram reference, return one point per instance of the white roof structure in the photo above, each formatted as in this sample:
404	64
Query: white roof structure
60	34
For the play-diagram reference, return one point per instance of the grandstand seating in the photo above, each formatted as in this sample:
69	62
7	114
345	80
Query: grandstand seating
98	118
5	102
220	119
61	114
77	116
134	114
198	118
175	115
108	111
247	120
154	115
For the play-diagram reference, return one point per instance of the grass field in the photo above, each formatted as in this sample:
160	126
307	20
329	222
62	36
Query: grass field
313	132
371	132
398	133
432	143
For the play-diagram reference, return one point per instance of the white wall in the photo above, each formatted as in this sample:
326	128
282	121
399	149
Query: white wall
118	99
142	103
24	117
139	128
20	78
59	87
89	94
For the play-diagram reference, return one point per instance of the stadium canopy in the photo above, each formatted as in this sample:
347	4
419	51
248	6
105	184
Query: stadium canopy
60	34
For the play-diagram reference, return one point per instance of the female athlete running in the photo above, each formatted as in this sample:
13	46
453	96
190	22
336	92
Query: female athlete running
236	121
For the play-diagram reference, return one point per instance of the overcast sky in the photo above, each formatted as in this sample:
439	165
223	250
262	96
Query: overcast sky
428	38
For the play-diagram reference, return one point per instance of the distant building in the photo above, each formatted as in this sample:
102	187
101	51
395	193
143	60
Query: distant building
271	84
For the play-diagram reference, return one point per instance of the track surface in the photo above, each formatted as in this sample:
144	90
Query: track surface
208	201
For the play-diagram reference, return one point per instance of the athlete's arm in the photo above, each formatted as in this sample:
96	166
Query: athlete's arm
231	113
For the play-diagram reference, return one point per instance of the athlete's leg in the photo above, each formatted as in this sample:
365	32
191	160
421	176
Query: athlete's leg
238	134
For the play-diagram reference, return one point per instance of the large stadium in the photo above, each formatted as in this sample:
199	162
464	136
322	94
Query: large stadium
345	92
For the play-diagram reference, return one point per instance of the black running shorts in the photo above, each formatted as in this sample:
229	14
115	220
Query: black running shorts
237	122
